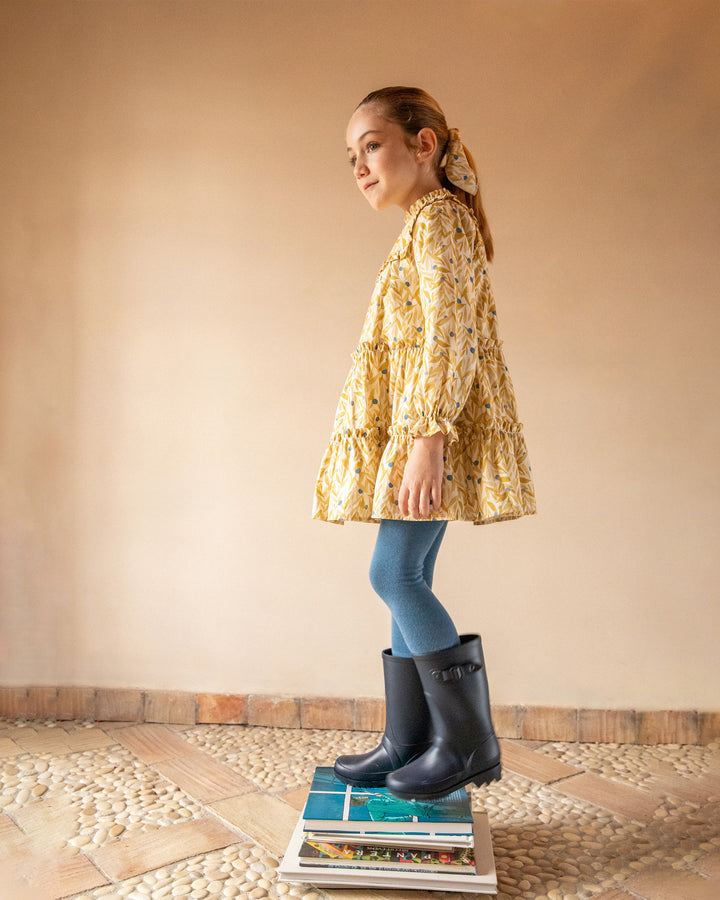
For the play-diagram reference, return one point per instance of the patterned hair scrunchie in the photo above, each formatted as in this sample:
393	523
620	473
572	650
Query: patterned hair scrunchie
456	165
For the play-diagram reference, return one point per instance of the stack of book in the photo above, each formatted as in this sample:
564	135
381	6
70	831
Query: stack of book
364	837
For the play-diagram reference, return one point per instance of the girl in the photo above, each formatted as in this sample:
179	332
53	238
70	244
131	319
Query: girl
426	432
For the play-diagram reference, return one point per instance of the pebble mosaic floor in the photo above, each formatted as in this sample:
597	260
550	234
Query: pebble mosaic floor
111	810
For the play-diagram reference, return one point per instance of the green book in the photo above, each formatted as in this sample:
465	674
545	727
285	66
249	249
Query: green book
333	806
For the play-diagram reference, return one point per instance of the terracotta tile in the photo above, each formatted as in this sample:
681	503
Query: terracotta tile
297	798
607	726
668	727
369	714
142	851
508	721
672	884
50	823
618	798
9	748
76	703
114	705
203	777
12	887
266	819
710	865
8	828
549	723
279	712
223	709
613	894
712	781
111	727
170	706
665	781
13	702
43	740
714	766
537	766
327	712
44	875
708	727
42	702
89	739
152	743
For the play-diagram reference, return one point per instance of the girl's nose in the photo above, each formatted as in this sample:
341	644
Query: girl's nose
361	169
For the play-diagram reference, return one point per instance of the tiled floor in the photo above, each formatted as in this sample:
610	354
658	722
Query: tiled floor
150	811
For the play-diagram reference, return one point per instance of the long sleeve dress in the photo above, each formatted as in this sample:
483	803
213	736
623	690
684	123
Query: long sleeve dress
429	359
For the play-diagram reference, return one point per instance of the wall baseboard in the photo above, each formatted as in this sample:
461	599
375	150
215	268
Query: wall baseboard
536	723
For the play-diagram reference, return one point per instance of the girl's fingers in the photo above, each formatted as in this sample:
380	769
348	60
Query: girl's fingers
420	502
412	504
424	502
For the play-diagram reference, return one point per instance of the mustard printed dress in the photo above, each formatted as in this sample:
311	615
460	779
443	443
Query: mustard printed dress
429	360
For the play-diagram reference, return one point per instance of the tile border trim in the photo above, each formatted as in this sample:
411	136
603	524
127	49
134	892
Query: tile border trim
539	723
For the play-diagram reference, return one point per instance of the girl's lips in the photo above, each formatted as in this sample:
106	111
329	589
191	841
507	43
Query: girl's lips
368	186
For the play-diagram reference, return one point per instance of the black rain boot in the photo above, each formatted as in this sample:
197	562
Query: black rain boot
464	747
407	727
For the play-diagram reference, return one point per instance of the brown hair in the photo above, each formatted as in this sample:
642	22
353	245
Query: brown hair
414	109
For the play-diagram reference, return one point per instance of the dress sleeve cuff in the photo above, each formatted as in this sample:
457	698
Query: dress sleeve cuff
428	425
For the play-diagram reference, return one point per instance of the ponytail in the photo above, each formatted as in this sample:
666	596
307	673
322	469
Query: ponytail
474	202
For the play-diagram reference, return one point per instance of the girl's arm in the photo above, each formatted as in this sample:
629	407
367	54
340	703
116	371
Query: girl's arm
442	383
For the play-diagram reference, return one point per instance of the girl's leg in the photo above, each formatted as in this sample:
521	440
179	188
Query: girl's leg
399	647
401	573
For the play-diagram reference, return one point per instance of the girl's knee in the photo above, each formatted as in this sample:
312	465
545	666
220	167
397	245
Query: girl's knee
394	580
383	575
401	551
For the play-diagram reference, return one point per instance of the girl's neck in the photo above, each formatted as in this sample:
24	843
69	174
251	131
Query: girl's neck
423	187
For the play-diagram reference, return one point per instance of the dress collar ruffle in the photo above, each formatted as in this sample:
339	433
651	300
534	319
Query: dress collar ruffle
421	202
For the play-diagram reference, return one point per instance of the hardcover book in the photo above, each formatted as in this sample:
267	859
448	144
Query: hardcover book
334	806
385	839
483	881
369	856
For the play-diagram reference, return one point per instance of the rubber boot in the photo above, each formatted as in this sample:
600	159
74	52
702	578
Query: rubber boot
464	747
407	727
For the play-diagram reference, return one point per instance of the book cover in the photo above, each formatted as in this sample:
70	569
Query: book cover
385	839
484	881
347	855
333	805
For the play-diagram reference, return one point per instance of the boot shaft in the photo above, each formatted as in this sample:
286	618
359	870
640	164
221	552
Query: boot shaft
457	693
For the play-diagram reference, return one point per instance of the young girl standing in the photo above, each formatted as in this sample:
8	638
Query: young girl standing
426	432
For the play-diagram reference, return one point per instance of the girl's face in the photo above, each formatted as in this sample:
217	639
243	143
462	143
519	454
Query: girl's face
388	171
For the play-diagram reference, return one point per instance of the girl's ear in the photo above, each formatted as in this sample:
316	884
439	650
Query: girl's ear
426	143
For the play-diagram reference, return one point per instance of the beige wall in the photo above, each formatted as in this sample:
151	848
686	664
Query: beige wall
185	268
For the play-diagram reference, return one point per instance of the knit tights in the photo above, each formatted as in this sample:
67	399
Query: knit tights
401	573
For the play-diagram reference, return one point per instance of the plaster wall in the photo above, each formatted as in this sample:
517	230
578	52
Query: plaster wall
185	267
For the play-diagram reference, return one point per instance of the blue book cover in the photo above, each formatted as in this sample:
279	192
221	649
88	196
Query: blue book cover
333	805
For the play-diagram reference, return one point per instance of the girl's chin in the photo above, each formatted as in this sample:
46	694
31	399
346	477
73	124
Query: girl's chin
377	203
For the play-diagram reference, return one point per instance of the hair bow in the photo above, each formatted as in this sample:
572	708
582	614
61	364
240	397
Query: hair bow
456	165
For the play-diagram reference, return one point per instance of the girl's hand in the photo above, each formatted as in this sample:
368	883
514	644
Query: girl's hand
422	479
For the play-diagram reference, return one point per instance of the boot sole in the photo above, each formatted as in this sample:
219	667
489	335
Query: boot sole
361	782
494	773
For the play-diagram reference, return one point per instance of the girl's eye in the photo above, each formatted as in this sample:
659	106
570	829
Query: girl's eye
372	146
352	161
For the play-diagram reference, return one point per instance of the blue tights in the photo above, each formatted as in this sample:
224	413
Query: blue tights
401	573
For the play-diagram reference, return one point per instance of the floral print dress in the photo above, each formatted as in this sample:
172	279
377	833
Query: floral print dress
429	359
